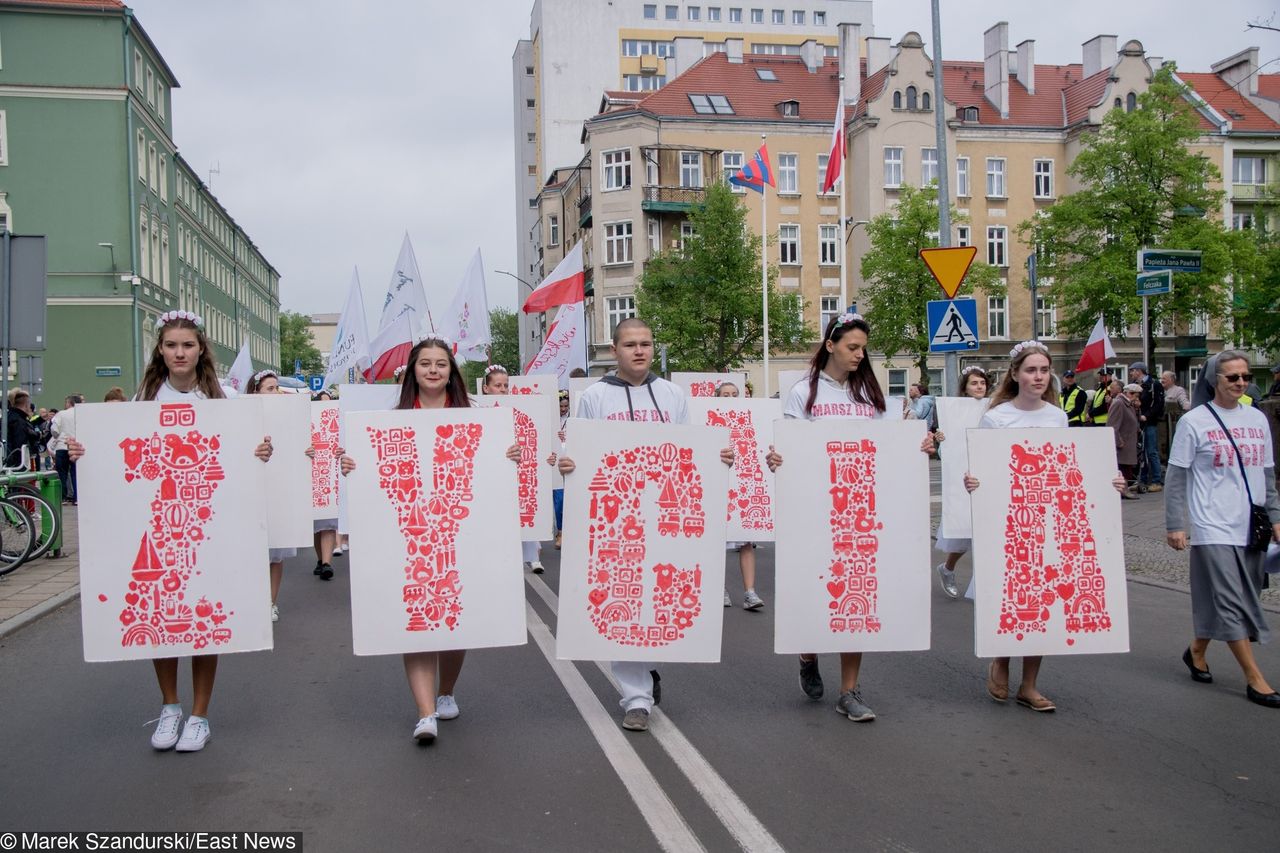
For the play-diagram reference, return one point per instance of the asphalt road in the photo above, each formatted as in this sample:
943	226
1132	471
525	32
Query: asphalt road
309	737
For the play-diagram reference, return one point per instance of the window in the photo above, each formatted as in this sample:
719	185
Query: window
1046	317
617	243
970	113
822	173
1249	170
528	70
819	19
962	235
757	16
911	98
997	245
997	317
144	246
530	103
617	169
1199	325
533	202
897	100
797	18
1130	102
713	14
735	15
962	177
694	13
164	257
650	11
160	91
651	168
137	70
779	16
531	136
829	308
673	13
142	157
892	168
617	309
553	230
151	166
926	101
829	245
709	104
767	75
686	232
149	88
897	382
164	177
655	235
789	244
643	82
995	177
928	166
690	169
1241	221
730	163
787	174
1044	178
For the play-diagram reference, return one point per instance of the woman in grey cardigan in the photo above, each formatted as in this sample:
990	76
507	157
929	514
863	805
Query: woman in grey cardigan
1122	417
1217	445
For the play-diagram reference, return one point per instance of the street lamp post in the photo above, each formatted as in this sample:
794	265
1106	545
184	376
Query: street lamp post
538	327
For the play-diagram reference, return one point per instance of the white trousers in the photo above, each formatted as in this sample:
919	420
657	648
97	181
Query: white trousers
635	683
529	551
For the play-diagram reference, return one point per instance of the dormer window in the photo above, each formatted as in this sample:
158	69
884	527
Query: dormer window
711	105
790	109
970	113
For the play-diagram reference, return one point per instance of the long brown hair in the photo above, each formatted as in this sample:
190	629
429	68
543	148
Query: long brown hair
1009	383
255	381
455	392
206	368
863	387
966	374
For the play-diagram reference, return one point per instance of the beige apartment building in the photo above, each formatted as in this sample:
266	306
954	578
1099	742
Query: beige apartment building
1013	127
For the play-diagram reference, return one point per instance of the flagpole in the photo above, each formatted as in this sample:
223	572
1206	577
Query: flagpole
843	245
764	270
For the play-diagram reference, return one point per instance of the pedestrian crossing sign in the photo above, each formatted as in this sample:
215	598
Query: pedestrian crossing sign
953	325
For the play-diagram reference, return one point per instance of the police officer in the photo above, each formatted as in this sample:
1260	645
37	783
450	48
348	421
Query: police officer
1075	400
1101	403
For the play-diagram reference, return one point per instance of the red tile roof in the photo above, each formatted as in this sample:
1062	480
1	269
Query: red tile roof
1269	86
1229	103
751	98
103	5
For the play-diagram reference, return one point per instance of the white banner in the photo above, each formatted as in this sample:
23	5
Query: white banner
287	419
565	347
750	425
1048	552
406	295
325	476
434	512
705	384
466	323
956	415
536	419
376	397
642	563
518	385
173	530
241	370
577	385
350	338
852	533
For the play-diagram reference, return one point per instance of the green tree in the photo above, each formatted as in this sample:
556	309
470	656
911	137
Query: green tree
1143	185
296	344
505	349
704	301
1257	299
898	284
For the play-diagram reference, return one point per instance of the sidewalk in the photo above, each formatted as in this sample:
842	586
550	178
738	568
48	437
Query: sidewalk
41	586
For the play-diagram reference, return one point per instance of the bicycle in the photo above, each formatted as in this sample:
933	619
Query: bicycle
17	536
43	517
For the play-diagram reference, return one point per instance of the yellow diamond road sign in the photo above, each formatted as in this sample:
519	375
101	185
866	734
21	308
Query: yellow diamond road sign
949	266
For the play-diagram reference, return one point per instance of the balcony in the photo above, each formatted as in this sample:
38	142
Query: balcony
584	212
672	199
1251	192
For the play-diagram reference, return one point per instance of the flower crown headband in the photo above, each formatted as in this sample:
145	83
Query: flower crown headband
263	374
169	316
435	338
399	371
973	368
494	368
845	319
1026	345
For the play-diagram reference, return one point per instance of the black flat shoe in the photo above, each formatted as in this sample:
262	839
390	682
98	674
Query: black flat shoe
1266	700
1201	675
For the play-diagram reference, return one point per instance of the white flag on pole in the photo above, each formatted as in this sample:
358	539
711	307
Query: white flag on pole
406	295
566	345
351	339
241	370
467	323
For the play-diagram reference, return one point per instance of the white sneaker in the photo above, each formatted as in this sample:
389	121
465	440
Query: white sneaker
536	565
948	581
425	731
751	601
275	613
166	733
727	602
337	551
195	734
447	707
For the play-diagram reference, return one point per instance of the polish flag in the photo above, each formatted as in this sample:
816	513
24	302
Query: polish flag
563	287
835	160
566	345
1098	350
391	349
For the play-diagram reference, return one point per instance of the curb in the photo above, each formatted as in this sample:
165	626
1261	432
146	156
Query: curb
1173	587
26	617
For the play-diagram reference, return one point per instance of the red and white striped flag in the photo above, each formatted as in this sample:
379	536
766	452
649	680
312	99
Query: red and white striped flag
391	348
835	160
1098	350
563	287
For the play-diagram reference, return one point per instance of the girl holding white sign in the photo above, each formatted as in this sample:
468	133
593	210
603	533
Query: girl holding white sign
973	384
1026	398
498	381
432	380
181	369
840	384
268	382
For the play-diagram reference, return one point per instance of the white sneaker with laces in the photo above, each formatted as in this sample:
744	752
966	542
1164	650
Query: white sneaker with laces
166	733
195	734
727	602
447	707
536	565
947	579
751	601
337	551
275	613
425	731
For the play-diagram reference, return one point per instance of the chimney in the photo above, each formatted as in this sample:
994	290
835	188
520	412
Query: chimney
1156	63
1237	69
877	54
812	53
850	61
1027	65
687	52
995	74
1099	53
733	47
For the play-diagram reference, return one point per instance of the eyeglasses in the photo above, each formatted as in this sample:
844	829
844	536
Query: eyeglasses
1236	377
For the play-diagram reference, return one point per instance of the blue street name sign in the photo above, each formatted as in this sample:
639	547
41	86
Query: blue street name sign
953	325
1155	283
1175	260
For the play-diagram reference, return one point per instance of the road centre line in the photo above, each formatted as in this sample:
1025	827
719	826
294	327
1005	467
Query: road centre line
752	835
668	826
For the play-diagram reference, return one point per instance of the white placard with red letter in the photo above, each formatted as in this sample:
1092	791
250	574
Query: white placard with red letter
1048	551
536	419
173	530
750	425
578	384
642	565
540	384
852	537
956	415
326	419
287	419
433	510
705	384
372	397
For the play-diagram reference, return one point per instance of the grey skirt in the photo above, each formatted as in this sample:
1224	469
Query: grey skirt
1225	581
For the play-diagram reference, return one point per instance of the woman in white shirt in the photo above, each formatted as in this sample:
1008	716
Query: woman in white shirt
841	384
1206	482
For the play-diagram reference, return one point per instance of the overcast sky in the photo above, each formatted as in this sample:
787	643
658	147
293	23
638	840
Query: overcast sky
336	127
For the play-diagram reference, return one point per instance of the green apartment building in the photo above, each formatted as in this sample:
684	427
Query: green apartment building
88	159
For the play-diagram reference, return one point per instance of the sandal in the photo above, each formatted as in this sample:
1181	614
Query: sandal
1038	703
997	691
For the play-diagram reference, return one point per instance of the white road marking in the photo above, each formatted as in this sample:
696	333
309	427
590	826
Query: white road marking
737	818
670	829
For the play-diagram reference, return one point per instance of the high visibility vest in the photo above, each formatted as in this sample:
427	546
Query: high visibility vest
1246	399
1070	401
1098	410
